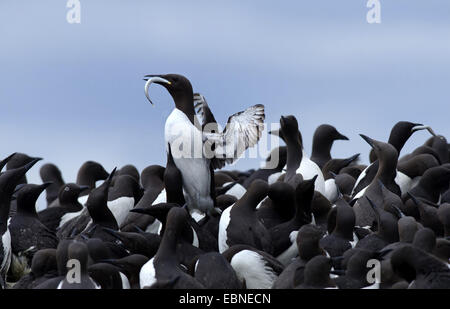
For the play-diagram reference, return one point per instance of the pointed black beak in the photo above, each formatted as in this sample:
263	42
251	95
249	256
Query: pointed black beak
368	140
140	211
339	136
6	160
110	177
351	159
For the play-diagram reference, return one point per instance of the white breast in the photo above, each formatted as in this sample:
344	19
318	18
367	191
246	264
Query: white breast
403	181
121	207
147	275
308	169
69	216
186	143
223	225
331	190
83	199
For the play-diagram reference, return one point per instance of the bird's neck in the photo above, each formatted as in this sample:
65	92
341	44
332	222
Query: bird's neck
294	155
186	105
28	209
321	150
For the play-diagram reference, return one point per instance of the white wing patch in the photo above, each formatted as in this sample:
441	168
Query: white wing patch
243	130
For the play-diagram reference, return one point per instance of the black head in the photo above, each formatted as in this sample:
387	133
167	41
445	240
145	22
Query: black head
178	86
305	189
289	129
18	160
382	150
27	197
328	133
152	174
12	177
44	262
97	204
129	170
50	172
6	160
402	131
425	239
407	228
308	238
90	172
70	192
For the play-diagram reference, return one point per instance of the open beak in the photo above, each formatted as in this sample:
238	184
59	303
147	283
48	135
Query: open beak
419	127
153	79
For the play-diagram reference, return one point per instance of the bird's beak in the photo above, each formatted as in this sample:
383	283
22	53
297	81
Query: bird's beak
153	79
341	137
419	127
369	141
351	159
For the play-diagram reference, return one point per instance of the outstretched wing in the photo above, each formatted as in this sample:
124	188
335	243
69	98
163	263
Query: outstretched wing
243	130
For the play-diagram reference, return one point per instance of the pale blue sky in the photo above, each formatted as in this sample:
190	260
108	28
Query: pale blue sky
74	92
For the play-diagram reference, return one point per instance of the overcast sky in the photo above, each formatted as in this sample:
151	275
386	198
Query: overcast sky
74	92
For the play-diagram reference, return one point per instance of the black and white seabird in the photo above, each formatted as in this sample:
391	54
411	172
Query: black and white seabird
182	131
387	171
67	208
164	269
297	160
308	238
153	184
28	234
284	235
239	223
400	134
8	182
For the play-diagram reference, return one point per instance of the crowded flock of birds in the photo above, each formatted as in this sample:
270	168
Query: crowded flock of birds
308	222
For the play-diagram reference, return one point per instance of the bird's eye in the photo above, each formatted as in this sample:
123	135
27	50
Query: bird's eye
66	189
